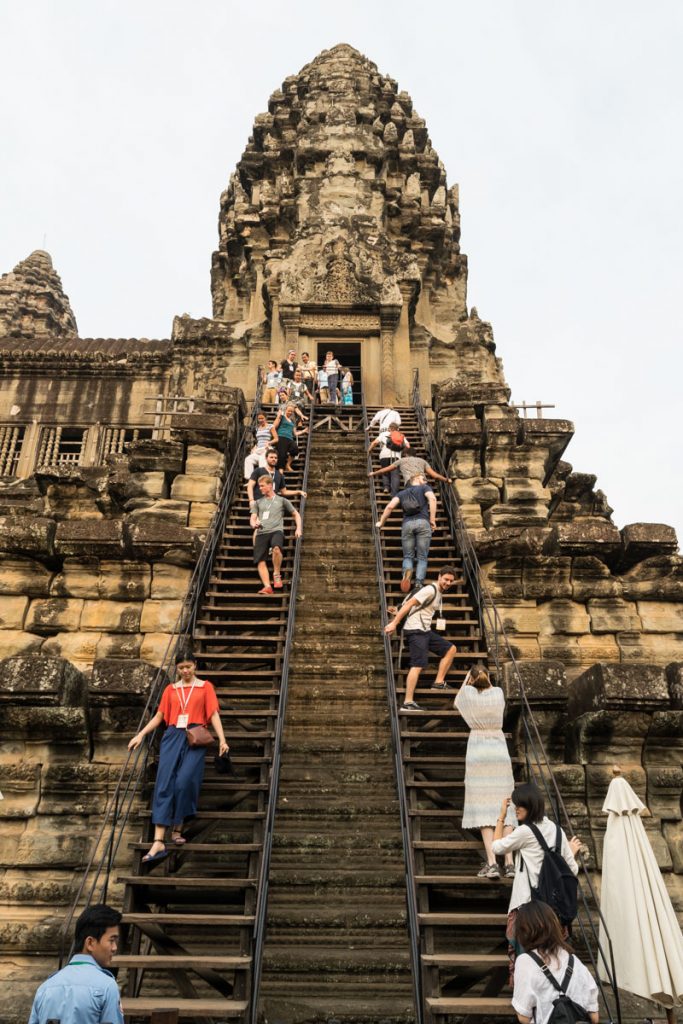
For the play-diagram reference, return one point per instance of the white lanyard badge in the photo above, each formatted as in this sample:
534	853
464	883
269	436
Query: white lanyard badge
184	701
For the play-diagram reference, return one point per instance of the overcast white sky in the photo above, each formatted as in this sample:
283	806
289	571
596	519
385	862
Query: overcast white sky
561	122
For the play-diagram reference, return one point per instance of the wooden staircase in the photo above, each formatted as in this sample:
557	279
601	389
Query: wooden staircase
190	919
461	917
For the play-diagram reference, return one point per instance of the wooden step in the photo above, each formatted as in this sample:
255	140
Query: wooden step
464	959
186	882
471	919
482	1006
447	880
446	844
190	847
177	962
191	920
144	1006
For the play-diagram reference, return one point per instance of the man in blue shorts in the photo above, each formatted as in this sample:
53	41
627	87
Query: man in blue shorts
418	611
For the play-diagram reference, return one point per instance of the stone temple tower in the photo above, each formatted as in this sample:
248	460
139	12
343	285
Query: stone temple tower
337	230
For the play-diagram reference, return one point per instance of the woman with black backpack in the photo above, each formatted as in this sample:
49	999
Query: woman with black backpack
552	986
541	848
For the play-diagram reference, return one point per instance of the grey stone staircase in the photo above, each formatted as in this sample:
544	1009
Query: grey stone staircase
337	945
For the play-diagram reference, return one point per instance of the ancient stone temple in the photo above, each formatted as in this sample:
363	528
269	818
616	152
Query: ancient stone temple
338	230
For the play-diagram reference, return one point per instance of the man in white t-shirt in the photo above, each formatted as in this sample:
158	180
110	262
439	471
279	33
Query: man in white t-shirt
418	611
383	418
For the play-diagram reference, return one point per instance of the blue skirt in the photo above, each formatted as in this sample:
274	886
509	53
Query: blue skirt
179	778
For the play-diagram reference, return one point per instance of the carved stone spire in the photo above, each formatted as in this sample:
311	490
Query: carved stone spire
32	301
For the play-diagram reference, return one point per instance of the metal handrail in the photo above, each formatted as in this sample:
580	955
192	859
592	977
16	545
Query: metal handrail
133	770
408	855
496	637
264	872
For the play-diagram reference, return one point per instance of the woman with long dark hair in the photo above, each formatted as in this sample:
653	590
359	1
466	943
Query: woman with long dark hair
186	703
488	769
548	962
529	806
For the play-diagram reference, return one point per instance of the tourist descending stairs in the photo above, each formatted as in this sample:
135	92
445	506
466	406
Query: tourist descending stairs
336	944
193	923
461	918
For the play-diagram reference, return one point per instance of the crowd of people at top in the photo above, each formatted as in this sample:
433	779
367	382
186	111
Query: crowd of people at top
511	819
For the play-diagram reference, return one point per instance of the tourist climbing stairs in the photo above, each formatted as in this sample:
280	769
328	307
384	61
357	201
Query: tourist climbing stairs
461	918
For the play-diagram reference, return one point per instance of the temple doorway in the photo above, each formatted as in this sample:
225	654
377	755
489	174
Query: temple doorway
348	354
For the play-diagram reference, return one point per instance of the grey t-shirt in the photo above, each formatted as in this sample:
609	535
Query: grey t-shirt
410	466
271	513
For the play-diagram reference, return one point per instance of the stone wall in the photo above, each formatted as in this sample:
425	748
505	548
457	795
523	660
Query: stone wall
94	566
593	613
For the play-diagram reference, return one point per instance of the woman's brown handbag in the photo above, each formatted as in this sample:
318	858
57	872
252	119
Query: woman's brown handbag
199	736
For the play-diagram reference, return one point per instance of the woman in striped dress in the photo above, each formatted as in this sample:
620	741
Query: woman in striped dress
488	770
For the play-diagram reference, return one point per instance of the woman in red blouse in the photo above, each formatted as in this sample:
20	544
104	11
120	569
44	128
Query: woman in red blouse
187	702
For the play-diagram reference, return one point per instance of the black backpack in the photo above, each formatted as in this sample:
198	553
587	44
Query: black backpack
413	503
565	1010
556	884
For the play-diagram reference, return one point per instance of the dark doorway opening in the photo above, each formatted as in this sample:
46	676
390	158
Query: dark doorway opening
348	354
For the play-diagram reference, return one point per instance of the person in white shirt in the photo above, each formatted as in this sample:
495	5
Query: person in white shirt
332	368
383	418
548	956
391	484
529	806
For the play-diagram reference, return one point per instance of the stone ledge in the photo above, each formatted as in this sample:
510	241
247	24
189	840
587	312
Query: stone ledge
616	688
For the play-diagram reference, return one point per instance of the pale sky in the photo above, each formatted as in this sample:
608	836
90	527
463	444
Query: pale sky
561	122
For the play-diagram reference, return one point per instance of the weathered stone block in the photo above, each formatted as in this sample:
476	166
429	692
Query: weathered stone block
163	510
465	464
201	514
543	681
661	648
122	677
111	616
471	517
503	578
12	611
507	541
587	536
673	834
664	786
146	485
148	456
16	641
524	647
204	461
594	647
612	615
520	617
562	647
561	616
23	576
80	648
196	488
592	578
33	680
74	788
645	540
661	616
125	581
616	687
45	843
674	678
90	538
655	579
664	743
544	576
151	541
155	647
27	535
20	786
54	614
520	461
169	581
160	616
528	514
119	645
525	489
477	491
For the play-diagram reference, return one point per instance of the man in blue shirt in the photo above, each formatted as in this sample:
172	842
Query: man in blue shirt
418	503
85	991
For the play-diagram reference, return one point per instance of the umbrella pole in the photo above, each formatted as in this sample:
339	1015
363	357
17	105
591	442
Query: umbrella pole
670	1015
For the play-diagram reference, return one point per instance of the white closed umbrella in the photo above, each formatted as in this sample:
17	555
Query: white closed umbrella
646	938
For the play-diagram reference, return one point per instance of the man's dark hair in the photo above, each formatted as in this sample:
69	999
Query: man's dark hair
448	569
304	354
94	922
531	799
